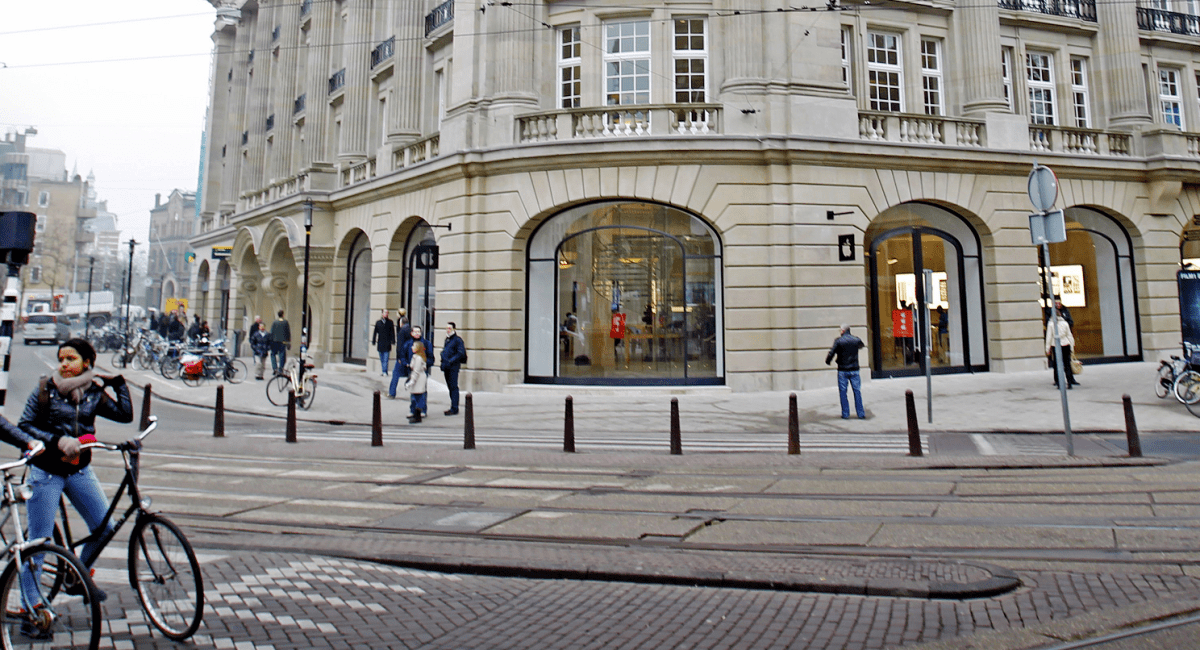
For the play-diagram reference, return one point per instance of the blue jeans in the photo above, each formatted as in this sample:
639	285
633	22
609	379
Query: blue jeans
85	493
384	355
278	356
397	372
416	404
452	384
851	377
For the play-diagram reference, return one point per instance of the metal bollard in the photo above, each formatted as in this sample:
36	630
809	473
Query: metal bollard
1131	432
469	423
376	422
914	432
676	443
145	422
793	426
291	417
218	415
569	426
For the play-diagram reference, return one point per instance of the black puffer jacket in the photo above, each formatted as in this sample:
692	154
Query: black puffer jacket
60	417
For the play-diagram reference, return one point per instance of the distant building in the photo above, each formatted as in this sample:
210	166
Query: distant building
172	223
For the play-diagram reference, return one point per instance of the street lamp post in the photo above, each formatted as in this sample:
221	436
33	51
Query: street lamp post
304	294
129	291
87	316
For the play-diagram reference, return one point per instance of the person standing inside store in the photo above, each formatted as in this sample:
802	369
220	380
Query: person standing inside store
404	354
281	340
1066	341
846	348
260	346
383	338
454	354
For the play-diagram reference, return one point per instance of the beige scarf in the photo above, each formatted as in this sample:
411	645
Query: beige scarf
71	388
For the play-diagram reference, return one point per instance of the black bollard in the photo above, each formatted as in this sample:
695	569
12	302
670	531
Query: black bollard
219	414
676	443
569	426
469	423
376	423
793	426
291	417
914	432
1131	432
145	409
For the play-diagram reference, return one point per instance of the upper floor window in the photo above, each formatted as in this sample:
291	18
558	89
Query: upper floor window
846	49
691	61
885	73
40	224
569	66
1169	96
1080	102
1039	76
43	199
35	275
931	76
1006	57
627	62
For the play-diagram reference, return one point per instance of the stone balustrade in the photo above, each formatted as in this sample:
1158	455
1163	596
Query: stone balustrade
620	122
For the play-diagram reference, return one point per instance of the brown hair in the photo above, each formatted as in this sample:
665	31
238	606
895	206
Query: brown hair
418	347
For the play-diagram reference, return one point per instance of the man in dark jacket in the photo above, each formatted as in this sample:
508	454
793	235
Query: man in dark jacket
383	338
281	340
404	357
846	348
454	354
260	345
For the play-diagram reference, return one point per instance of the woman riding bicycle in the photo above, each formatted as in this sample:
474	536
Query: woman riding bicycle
61	410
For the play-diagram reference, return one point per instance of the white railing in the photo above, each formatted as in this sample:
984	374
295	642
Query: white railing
357	173
921	129
419	151
1081	142
620	122
1193	146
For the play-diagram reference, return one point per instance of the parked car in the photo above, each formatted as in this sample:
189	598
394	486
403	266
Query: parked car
48	328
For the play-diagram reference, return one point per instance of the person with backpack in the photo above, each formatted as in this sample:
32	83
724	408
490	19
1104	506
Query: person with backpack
59	413
454	355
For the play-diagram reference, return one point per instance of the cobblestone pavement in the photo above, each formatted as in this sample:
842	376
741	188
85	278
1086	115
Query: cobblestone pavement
283	601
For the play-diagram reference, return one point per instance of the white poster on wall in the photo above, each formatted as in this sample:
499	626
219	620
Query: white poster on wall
1067	282
906	290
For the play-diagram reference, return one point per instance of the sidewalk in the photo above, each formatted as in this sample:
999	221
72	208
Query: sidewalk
1024	402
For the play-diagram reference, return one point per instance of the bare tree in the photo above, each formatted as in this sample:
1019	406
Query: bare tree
54	252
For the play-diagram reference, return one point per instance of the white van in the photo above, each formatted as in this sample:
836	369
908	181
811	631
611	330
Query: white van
45	328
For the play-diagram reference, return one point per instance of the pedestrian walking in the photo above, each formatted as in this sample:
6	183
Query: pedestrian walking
383	338
1066	341
846	348
281	340
404	355
260	346
454	355
417	384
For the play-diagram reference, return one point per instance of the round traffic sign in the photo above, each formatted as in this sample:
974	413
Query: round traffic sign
1043	188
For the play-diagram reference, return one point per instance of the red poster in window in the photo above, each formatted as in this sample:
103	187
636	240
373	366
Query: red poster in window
617	331
902	323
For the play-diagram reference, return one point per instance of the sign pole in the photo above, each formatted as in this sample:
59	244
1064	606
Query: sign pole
926	334
1060	371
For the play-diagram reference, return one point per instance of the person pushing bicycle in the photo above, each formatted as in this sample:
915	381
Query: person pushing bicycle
61	410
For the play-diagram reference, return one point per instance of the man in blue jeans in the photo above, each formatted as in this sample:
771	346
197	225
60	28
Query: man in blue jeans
846	348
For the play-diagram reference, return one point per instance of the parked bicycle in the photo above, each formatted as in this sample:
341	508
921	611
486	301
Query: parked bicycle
213	363
47	597
289	380
163	569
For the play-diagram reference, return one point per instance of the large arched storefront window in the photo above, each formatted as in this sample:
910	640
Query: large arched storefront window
1093	274
902	244
420	278
624	292
358	301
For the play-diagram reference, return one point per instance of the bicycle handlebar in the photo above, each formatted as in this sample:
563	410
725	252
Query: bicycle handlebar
26	456
90	442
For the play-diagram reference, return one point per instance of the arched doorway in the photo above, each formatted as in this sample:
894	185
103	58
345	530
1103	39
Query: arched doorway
420	278
1093	273
903	244
624	292
358	302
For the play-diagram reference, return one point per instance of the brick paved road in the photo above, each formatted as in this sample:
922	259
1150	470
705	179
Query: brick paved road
285	601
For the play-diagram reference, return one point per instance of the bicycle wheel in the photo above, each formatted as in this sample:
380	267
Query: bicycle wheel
170	368
305	400
1164	381
142	359
277	390
166	576
236	371
50	616
119	359
192	380
1187	386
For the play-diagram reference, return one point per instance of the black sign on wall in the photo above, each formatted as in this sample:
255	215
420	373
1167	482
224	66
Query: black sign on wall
846	248
426	256
1189	309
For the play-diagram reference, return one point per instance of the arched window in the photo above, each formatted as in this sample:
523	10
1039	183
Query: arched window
358	301
624	292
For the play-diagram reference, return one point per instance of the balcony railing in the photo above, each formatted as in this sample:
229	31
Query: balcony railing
337	81
441	15
357	173
1158	20
621	122
298	105
419	151
1082	142
921	129
1081	9
383	51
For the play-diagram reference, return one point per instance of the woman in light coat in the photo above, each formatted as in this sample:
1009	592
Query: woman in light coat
417	382
1066	341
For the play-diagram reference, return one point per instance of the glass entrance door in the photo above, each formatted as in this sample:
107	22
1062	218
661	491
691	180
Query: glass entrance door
421	279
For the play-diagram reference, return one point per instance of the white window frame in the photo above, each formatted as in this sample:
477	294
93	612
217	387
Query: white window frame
891	64
40	223
43	199
1081	101
1006	77
35	274
1170	96
847	58
690	56
1039	78
623	48
933	89
570	62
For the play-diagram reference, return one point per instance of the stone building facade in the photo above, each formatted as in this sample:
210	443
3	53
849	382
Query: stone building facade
693	193
172	224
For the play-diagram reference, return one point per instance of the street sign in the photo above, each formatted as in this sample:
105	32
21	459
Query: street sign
1047	228
1043	188
221	252
846	248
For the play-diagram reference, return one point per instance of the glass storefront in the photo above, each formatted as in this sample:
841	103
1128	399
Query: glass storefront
625	292
420	278
358	301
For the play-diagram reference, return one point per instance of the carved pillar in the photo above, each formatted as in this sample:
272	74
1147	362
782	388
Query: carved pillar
316	110
404	106
258	100
238	120
511	52
1119	55
220	125
978	26
357	108
744	46
287	17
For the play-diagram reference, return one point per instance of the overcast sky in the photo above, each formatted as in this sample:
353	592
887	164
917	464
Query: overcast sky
119	87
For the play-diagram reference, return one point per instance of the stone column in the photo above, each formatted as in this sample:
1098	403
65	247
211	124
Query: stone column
258	100
238	121
357	107
316	102
744	55
978	25
217	136
287	16
404	106
510	45
1118	52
